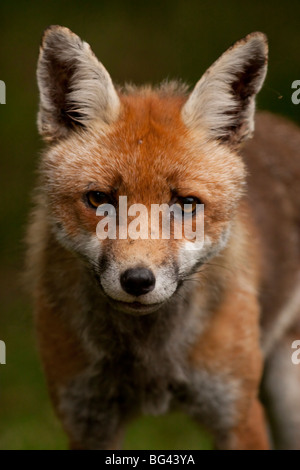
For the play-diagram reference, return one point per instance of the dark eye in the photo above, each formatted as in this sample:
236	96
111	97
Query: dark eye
188	204
97	198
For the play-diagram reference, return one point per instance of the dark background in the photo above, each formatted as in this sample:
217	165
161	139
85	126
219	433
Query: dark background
139	42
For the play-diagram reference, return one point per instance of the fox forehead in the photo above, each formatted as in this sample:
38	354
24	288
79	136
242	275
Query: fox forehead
148	151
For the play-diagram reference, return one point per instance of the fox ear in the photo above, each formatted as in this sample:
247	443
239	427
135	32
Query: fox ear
74	86
223	101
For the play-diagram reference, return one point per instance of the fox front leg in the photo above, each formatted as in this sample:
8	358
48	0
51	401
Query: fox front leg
226	363
90	415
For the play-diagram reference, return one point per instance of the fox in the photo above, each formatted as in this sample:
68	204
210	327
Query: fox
129	326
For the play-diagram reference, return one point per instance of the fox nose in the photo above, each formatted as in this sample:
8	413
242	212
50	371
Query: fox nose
137	281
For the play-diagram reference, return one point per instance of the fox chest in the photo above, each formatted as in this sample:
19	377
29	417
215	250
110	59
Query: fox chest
115	390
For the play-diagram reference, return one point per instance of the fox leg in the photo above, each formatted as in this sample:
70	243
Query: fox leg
281	392
234	424
91	414
89	421
229	364
250	434
115	443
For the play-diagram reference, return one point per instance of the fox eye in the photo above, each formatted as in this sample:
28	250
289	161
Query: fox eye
188	205
97	198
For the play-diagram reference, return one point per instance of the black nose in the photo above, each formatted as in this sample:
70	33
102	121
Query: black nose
137	281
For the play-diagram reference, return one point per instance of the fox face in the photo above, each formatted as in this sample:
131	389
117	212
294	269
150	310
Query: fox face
154	146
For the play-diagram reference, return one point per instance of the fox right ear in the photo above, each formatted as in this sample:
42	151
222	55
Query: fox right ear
74	86
223	101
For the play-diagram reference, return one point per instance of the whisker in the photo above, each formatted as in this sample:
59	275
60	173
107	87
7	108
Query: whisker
182	298
218	265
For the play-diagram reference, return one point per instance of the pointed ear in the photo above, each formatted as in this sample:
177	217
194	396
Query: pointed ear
74	86
223	101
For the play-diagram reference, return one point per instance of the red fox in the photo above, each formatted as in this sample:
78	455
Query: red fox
131	325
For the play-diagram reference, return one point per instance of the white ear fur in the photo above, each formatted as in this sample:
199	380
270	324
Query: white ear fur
74	86
223	101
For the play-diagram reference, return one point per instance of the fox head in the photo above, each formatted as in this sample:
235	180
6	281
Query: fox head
153	145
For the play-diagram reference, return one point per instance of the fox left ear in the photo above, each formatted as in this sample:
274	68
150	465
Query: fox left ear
74	86
223	101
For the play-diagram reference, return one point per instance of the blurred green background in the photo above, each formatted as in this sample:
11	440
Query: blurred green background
139	42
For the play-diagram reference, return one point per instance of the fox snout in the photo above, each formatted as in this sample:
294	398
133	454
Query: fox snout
137	281
141	283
